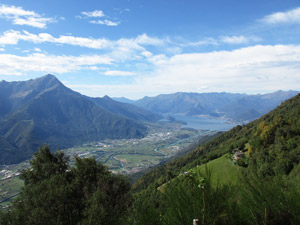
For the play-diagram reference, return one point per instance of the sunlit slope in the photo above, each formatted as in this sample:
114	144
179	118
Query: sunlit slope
272	144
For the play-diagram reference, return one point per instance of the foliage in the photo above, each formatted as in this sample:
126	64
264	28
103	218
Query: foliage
267	192
273	143
272	201
55	194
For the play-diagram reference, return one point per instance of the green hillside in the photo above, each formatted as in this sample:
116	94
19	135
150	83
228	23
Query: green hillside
224	171
273	143
205	184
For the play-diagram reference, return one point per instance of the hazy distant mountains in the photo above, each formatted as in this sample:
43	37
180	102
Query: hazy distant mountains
43	110
236	107
125	109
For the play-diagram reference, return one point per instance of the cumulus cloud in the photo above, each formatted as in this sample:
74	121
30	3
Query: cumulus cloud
118	73
291	16
19	16
255	68
38	62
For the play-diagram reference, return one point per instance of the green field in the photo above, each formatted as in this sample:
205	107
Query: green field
9	188
130	156
223	171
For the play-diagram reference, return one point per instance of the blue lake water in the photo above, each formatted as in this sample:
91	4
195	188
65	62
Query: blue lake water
205	123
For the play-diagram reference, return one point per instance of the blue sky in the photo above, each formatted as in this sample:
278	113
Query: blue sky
137	48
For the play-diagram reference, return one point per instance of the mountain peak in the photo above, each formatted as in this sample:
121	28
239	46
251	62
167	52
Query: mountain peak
47	79
45	82
106	97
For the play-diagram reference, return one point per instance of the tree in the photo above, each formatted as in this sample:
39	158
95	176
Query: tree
53	193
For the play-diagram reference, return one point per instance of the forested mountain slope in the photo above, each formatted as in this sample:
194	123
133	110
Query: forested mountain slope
45	111
265	191
272	142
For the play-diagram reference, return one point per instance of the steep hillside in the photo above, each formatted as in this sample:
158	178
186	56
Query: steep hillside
16	94
272	142
45	111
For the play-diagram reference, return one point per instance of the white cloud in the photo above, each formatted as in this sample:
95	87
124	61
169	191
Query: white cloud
38	62
291	16
147	54
246	69
206	41
96	13
15	11
239	39
256	69
119	73
105	22
19	16
34	22
144	39
121	49
2	49
13	37
235	39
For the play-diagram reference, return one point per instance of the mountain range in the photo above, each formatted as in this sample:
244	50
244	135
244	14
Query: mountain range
43	110
240	108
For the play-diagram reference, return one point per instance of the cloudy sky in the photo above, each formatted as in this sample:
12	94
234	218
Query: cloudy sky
137	48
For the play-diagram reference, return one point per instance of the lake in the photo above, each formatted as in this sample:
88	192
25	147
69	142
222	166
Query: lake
205	123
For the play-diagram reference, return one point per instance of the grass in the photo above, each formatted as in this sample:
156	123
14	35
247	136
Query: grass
10	187
223	171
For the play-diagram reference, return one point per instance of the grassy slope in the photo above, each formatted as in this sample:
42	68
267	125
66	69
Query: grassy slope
224	172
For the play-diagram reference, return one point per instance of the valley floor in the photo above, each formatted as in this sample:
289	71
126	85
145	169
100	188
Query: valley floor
126	156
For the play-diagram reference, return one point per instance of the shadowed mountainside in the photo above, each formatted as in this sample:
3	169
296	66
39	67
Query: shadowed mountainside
43	110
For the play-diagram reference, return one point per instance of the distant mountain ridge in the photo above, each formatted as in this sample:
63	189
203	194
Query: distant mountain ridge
125	109
236	107
43	110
